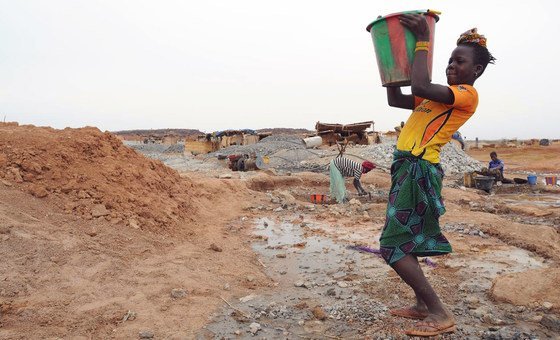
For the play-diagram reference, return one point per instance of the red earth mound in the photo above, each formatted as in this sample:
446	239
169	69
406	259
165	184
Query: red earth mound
93	175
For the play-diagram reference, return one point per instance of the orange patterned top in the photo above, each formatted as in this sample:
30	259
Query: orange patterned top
431	124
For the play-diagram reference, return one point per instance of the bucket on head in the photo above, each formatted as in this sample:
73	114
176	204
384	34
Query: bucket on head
551	180
532	179
394	47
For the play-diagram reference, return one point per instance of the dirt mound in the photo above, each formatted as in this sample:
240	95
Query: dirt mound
92	174
528	288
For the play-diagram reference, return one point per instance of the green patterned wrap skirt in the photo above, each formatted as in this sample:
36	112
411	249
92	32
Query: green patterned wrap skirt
413	211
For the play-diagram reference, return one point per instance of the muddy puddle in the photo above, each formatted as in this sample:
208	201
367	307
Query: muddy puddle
318	291
324	288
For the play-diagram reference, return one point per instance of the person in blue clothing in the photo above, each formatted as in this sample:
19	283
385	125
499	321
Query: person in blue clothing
495	168
458	137
496	164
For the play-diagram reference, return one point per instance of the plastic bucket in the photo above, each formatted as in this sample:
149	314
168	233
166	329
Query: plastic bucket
318	198
484	182
311	142
394	47
532	179
551	180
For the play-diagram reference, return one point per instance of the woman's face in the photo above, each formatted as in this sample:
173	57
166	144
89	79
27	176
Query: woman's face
461	68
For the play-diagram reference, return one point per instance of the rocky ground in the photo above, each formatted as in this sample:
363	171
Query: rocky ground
212	254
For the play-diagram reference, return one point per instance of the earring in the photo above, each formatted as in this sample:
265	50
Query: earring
476	74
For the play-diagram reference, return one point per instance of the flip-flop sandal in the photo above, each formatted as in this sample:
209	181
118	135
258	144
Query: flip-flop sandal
409	313
423	328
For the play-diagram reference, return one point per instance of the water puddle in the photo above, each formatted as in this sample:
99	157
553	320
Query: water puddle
318	291
321	285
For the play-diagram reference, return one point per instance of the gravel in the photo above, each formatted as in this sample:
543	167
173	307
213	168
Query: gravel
288	153
266	146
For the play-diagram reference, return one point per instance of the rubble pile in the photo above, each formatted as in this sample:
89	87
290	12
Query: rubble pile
153	150
175	148
266	146
288	153
452	158
456	161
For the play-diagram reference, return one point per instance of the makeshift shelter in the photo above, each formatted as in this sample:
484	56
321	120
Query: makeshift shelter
353	133
221	139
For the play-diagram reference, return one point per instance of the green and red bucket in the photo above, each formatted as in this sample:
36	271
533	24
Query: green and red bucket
394	46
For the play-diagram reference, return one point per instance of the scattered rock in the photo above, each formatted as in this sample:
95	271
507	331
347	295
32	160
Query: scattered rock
342	284
178	293
227	286
254	328
129	316
38	191
250	278
547	305
536	318
99	210
215	248
355	201
491	319
247	298
299	284
146	335
133	223
551	322
92	232
479	312
319	313
16	175
82	194
224	176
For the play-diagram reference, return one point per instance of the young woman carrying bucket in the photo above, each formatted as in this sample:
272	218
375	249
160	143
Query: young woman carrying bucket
415	203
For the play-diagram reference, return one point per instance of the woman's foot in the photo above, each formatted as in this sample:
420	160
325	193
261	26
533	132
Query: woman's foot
432	325
413	312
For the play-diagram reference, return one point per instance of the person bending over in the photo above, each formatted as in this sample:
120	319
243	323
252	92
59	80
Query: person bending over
341	167
415	203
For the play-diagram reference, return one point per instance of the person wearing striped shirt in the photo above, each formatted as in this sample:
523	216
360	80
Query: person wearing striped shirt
343	167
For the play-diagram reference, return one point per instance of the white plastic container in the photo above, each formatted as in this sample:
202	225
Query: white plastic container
311	142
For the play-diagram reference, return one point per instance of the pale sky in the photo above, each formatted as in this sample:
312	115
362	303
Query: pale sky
223	64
